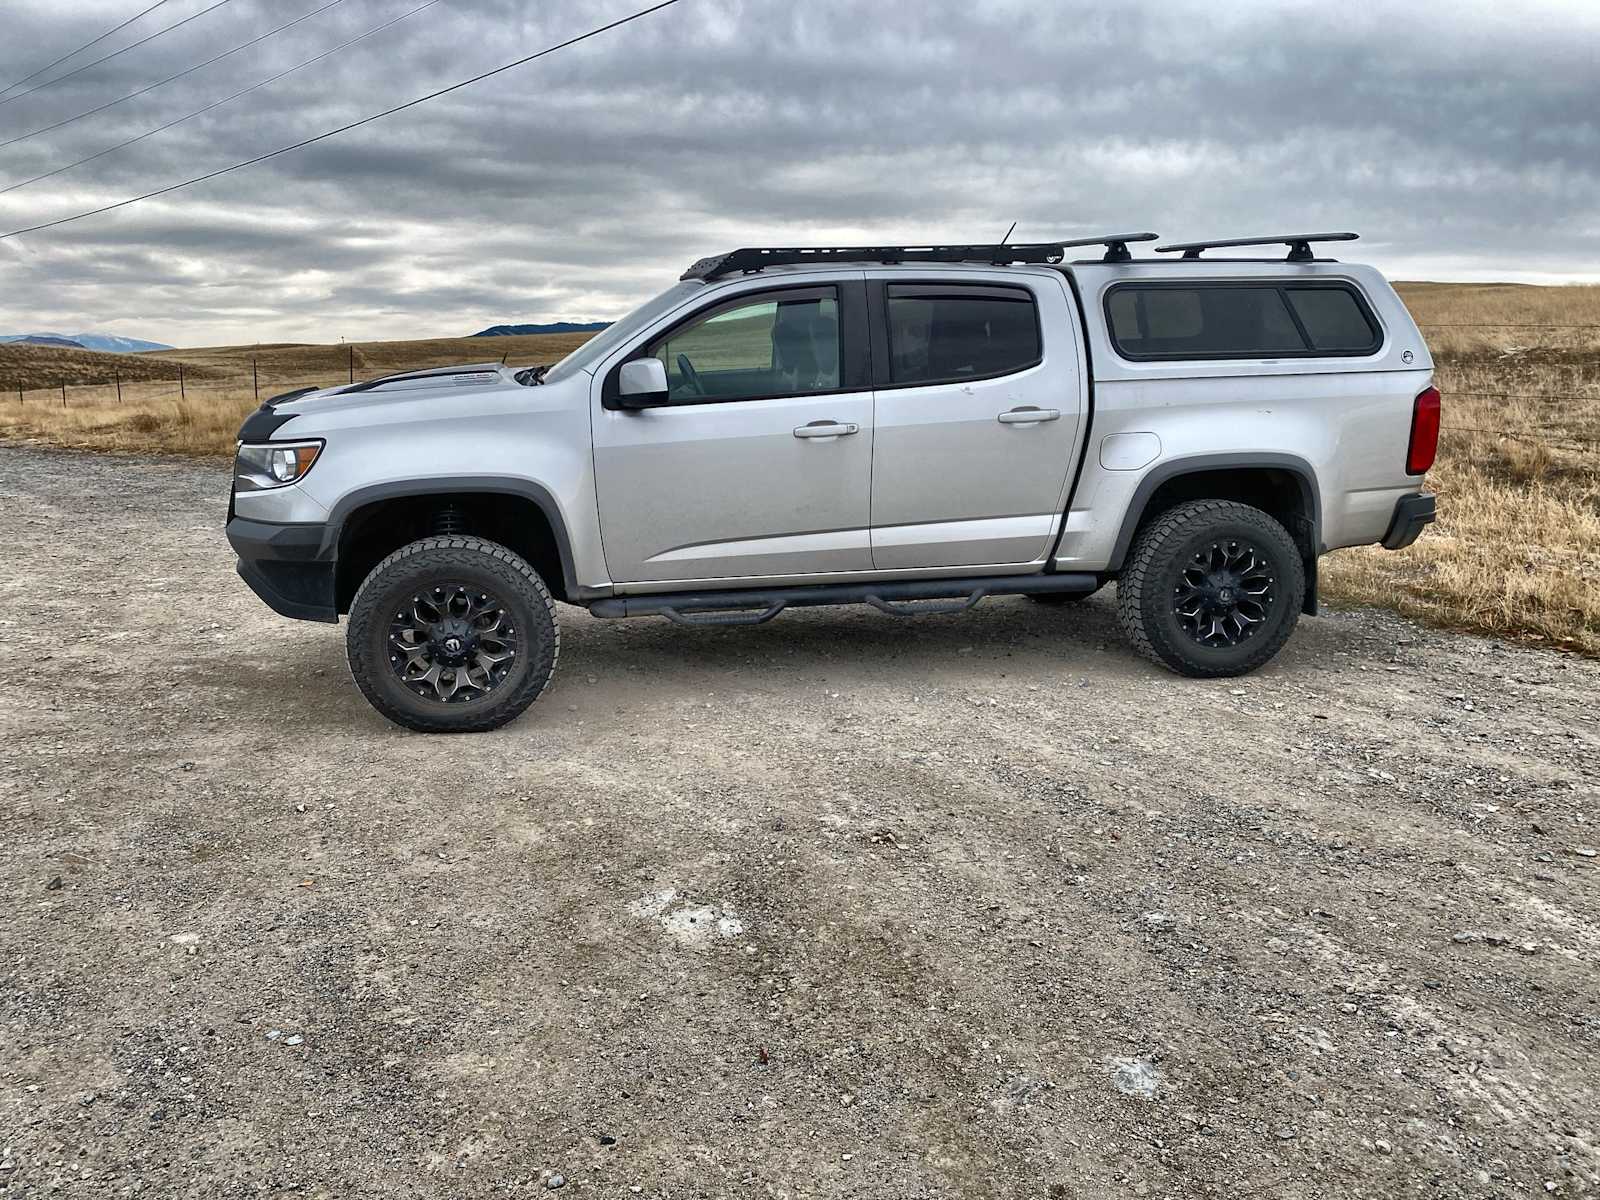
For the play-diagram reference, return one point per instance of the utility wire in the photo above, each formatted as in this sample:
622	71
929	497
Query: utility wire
39	87
219	103
22	137
388	112
82	48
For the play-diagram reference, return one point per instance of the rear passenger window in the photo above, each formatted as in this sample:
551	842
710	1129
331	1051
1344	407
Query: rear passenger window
947	334
1165	321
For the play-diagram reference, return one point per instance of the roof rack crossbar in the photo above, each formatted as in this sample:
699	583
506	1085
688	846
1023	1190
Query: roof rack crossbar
1299	244
753	258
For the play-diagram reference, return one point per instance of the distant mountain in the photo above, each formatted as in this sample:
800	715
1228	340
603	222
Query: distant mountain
553	327
45	339
105	342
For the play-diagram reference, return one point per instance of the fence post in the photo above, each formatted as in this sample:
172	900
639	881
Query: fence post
352	362
255	379
63	394
118	374
20	400
182	395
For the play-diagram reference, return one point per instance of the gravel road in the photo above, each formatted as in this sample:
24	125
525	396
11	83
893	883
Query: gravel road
840	905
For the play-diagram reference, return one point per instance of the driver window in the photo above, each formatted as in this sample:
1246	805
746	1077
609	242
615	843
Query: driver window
775	344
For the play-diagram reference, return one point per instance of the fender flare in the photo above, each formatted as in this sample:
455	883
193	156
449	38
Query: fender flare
505	485
1298	469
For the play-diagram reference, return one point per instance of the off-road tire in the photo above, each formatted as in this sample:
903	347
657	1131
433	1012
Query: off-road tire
1154	570
477	562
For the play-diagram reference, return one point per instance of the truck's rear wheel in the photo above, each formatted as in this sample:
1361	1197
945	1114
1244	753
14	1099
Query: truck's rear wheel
1211	588
452	635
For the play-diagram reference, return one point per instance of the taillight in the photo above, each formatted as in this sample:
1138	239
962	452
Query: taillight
1424	432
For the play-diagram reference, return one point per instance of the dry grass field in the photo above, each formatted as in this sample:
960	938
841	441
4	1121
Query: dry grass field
154	416
1516	551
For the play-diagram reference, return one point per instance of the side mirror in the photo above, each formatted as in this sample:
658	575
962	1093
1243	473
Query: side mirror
642	383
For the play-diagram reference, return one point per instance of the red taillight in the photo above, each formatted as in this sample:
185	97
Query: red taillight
1424	432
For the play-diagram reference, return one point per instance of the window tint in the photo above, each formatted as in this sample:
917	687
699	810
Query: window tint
1236	321
939	335
1202	322
780	344
1333	319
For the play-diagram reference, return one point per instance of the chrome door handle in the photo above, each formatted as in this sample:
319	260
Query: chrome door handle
827	429
1028	416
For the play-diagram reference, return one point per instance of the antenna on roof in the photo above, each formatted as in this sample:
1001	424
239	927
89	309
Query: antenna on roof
1009	232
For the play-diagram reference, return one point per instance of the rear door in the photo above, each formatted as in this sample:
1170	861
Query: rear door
760	464
979	413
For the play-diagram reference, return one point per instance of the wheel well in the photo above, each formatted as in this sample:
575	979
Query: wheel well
1285	495
374	531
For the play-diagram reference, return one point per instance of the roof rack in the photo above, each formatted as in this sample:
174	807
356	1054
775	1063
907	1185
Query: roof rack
753	258
1299	244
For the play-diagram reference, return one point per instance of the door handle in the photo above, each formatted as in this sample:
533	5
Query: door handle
1029	416
826	429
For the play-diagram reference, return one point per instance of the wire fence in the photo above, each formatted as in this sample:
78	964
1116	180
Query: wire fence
140	382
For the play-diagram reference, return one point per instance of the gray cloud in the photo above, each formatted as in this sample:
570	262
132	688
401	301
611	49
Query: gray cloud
1462	137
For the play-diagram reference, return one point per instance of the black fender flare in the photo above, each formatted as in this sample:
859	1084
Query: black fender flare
505	485
1298	469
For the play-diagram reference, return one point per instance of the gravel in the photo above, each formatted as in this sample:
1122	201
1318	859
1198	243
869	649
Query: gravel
1057	922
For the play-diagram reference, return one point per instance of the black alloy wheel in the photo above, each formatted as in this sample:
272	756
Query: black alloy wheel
452	634
1225	593
1211	588
452	643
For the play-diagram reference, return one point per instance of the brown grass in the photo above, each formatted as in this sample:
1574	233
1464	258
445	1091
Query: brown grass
218	391
1516	551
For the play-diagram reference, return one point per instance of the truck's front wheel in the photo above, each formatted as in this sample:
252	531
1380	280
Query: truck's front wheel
452	635
1211	588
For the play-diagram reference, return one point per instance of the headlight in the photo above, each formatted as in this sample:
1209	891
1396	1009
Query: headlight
273	464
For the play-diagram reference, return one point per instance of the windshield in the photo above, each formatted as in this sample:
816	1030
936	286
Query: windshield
587	356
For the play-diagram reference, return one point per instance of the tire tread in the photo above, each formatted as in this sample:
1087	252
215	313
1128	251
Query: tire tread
1143	565
463	551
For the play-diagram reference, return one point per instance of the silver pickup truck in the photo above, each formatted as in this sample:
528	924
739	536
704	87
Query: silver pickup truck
914	428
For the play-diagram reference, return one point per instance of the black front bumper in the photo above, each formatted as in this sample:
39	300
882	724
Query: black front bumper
287	566
1412	514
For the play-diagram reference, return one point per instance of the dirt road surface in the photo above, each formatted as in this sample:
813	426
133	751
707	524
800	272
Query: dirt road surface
836	906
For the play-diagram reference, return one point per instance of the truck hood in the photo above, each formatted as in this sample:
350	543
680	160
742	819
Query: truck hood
405	385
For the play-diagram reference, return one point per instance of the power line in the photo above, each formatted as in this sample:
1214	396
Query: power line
190	71
39	87
388	112
219	103
82	48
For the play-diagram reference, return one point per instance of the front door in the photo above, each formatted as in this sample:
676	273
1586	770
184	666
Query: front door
977	422
760	463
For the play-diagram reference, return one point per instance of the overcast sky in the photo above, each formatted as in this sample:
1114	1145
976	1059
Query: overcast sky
1461	138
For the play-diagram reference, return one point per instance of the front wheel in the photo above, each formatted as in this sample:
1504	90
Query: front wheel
1211	588
452	635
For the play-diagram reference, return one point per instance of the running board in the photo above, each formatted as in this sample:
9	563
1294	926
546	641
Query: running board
905	598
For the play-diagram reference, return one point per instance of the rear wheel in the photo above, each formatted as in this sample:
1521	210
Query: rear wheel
1211	588
452	635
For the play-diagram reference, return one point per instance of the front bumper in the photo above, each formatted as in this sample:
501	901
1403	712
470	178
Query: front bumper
287	566
1412	514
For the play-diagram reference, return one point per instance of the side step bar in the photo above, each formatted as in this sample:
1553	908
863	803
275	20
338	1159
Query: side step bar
903	598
